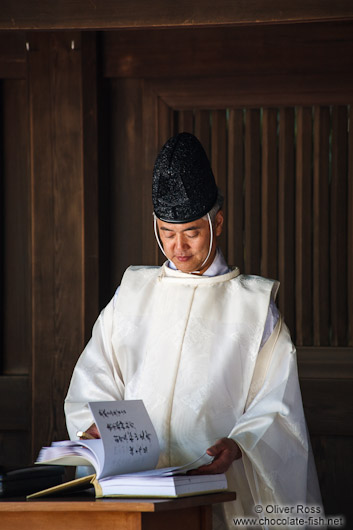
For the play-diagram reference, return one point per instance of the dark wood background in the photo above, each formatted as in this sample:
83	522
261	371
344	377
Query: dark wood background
82	116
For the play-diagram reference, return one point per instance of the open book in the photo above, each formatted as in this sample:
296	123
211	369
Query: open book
125	458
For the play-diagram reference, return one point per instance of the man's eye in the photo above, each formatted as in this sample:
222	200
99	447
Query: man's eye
193	234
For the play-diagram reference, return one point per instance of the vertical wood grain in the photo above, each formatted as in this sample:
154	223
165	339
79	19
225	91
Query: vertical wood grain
16	249
321	256
202	129
185	121
57	226
350	229
286	219
151	146
205	517
269	194
167	122
235	194
126	177
339	227
90	94
68	217
219	163
43	297
252	193
304	227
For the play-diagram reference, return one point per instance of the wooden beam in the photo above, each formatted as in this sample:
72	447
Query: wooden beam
90	95
237	92
321	197
235	203
325	363
55	81
252	188
339	227
303	217
286	216
301	49
269	184
112	14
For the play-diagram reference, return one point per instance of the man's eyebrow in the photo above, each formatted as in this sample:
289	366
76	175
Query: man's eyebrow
191	228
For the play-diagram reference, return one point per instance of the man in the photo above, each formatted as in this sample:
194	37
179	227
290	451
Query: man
206	350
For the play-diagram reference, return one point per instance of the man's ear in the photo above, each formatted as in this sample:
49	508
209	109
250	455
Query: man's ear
218	223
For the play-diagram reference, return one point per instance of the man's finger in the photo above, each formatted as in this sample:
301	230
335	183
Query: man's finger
224	444
215	449
91	432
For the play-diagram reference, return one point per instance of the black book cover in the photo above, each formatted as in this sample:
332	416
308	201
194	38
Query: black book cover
30	479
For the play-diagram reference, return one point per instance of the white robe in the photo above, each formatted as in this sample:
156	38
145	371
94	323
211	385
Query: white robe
188	347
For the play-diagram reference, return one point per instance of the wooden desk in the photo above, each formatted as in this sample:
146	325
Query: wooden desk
87	513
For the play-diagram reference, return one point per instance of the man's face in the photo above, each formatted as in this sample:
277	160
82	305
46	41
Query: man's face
187	245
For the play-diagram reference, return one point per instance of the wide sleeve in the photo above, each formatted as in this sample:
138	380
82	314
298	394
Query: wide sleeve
96	376
272	432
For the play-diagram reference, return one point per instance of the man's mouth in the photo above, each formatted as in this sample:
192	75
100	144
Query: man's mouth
183	258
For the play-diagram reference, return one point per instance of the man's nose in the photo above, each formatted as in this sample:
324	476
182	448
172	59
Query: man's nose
181	242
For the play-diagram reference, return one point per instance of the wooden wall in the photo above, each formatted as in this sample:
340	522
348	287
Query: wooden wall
49	245
82	118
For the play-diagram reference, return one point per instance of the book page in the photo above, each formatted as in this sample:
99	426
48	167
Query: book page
203	460
129	440
73	453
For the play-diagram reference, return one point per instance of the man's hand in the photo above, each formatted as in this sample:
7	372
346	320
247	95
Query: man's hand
91	432
224	451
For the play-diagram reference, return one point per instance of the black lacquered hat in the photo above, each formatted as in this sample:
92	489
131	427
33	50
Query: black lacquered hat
183	187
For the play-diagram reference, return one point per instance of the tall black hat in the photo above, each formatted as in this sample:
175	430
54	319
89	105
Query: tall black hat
183	187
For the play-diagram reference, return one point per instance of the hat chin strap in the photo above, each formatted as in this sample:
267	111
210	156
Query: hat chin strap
162	249
156	234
